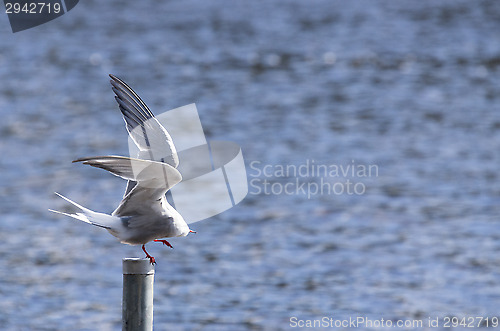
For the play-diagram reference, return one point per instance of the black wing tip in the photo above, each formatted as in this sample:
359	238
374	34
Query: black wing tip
86	159
116	80
120	87
101	157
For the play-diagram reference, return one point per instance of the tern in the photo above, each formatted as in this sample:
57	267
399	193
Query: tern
144	214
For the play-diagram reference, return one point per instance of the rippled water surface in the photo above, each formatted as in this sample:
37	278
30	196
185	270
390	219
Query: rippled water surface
412	88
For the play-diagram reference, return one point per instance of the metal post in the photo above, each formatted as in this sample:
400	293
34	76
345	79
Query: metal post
137	309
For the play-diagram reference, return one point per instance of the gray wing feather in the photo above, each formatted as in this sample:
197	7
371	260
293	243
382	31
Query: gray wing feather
131	105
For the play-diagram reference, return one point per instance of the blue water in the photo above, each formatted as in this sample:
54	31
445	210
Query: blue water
411	87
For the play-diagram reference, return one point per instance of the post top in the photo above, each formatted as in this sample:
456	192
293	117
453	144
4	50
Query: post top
137	266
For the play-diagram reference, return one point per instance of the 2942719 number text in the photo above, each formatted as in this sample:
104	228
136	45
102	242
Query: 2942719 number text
32	8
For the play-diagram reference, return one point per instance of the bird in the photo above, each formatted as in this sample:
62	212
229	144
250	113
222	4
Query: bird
144	214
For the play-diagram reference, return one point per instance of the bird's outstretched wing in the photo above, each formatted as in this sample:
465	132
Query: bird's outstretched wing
153	179
151	138
147	174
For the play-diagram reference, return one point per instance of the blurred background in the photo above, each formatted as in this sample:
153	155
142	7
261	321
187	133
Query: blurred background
412	87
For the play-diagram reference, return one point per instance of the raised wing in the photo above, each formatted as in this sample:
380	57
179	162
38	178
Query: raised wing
152	139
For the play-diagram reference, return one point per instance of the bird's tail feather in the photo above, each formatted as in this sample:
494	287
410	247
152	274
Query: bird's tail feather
88	216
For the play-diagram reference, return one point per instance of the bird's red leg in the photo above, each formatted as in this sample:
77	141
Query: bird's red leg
164	242
151	259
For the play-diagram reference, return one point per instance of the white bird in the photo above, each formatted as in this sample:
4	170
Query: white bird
144	214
